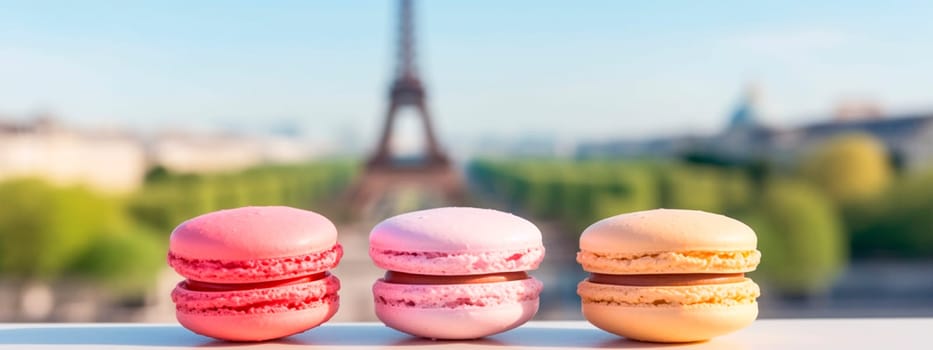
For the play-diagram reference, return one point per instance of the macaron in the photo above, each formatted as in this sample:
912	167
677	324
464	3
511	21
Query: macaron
255	273
456	272
669	275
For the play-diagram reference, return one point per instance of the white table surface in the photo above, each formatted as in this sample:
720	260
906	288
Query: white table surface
888	334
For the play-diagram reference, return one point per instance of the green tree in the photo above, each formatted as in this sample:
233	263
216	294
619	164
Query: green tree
43	228
849	168
545	195
800	237
577	203
690	187
634	188
126	262
899	224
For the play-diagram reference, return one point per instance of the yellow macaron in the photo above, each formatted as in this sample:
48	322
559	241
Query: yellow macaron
669	275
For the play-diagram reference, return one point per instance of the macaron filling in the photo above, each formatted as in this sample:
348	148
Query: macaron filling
410	278
201	286
648	280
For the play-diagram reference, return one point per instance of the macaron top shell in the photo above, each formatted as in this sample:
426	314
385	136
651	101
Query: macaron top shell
667	230
251	233
454	229
456	241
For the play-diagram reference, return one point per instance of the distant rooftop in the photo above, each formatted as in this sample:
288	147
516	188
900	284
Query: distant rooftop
902	125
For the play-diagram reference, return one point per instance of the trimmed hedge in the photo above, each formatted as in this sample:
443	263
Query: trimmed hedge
44	228
581	192
806	232
168	200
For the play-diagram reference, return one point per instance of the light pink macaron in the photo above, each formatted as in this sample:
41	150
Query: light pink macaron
456	273
255	273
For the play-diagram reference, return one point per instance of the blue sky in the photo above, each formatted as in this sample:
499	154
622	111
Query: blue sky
568	69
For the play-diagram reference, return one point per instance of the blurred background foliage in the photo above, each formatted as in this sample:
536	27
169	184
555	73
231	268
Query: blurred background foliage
120	242
849	168
168	199
800	235
47	228
841	199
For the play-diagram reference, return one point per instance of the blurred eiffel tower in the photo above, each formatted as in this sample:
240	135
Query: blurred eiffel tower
384	172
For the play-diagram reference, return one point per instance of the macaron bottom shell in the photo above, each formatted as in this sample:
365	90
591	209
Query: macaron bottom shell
257	327
456	311
257	314
670	324
681	313
456	324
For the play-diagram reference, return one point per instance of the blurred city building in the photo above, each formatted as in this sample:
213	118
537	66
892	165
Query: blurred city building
116	161
199	153
110	161
214	151
908	137
746	136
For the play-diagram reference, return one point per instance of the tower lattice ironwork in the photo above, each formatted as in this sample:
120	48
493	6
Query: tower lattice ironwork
384	172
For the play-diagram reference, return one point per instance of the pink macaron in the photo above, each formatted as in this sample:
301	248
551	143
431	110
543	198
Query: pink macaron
456	273
255	273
